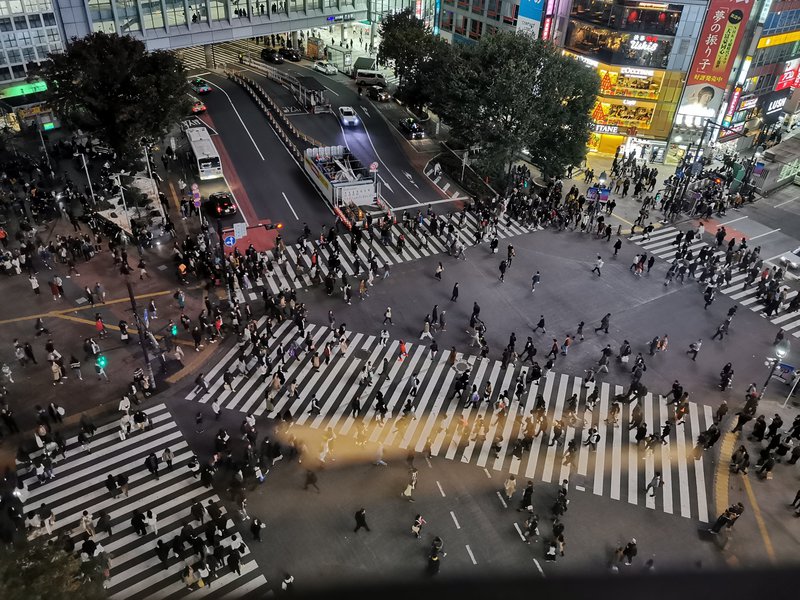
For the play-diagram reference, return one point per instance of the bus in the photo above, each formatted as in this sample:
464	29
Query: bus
204	153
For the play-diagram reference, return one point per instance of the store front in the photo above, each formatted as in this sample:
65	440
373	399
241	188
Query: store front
618	47
605	139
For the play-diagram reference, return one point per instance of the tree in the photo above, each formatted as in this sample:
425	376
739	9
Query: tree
412	49
36	570
109	86
513	92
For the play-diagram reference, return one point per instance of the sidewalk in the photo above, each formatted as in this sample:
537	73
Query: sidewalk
71	319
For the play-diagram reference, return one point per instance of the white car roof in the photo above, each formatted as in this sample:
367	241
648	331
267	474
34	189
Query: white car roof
346	110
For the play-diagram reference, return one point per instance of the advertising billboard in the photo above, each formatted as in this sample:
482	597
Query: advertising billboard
530	16
711	67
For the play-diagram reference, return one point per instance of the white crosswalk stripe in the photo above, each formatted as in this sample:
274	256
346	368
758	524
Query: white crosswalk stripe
136	571
661	245
619	469
294	273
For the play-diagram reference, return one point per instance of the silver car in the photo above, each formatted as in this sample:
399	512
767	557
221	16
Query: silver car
348	116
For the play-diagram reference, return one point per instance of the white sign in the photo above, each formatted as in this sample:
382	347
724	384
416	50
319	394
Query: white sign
637	72
239	230
776	105
612	129
373	168
644	43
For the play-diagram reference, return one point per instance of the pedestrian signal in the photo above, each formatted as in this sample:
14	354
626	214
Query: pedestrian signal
102	361
174	329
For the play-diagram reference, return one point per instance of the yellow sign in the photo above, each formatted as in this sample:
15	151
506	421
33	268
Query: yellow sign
777	40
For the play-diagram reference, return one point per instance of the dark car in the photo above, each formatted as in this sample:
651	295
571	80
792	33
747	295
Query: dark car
271	56
411	129
376	92
290	54
221	204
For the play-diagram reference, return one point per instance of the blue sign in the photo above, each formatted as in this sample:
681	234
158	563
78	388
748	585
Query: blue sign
531	9
229	240
331	18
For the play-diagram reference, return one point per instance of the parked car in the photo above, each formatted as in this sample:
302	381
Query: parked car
411	129
200	86
270	55
221	204
325	67
376	92
348	116
290	54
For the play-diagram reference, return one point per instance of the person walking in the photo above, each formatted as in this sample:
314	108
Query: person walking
311	480
598	265
510	486
694	348
439	271
454	294
361	520
535	280
603	323
655	483
416	526
255	528
387	316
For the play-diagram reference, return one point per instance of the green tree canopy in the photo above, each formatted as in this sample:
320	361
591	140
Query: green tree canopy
514	92
36	570
413	51
112	88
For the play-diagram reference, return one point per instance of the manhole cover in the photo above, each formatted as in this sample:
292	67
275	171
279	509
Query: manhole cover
461	366
362	354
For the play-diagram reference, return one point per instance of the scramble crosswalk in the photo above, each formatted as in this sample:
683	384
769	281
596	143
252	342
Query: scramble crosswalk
293	273
619	469
660	244
135	571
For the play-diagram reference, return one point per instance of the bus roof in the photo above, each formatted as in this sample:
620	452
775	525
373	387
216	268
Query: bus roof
201	143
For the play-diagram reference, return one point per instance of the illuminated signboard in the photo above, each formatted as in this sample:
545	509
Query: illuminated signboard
645	43
23	89
718	45
600	128
749	103
789	75
547	27
735	96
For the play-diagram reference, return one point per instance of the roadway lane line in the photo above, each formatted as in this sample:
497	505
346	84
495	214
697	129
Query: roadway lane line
441	491
378	156
734	220
538	566
762	526
763	234
235	199
452	514
471	555
519	531
329	89
500	497
290	206
240	119
782	203
489	475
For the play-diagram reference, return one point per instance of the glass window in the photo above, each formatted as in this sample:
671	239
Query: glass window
447	20
3	59
5	74
615	47
219	10
625	113
9	40
5	25
493	9
50	18
152	15
101	14
461	25
20	23
41	52
176	12
475	29
18	71
24	38
39	36
630	15
36	6
297	5
28	55
35	21
14	7
14	56
128	16
53	35
478	6
631	82
510	12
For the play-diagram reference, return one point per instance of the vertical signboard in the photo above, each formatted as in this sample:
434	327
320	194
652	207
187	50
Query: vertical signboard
719	42
530	16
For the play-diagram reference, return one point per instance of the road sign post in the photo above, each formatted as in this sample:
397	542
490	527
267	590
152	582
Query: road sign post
230	241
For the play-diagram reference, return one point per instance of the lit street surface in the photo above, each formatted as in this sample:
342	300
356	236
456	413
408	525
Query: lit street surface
393	397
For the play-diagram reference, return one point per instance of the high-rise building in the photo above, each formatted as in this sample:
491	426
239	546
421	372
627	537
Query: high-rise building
29	30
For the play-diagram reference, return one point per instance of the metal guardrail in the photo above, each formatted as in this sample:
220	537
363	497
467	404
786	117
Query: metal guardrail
270	109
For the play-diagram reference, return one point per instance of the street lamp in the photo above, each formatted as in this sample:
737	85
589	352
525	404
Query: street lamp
781	350
602	179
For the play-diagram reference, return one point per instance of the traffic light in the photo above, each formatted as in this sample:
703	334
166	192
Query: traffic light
102	361
273	226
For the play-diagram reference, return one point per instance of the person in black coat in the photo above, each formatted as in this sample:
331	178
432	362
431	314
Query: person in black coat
137	522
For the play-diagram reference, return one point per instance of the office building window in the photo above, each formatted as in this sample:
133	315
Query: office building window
630	15
35	21
219	10
10	7
38	6
50	19
102	16
128	16
5	25
152	15
176	12
9	40
24	38
20	23
295	5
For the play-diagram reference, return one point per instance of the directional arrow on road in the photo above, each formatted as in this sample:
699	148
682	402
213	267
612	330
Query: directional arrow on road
410	178
383	181
366	112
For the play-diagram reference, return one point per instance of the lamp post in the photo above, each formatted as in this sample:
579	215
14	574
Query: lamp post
140	330
750	168
781	350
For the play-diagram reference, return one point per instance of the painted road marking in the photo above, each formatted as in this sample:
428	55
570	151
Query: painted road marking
441	491
471	555
452	514
519	531
500	497
290	206
538	566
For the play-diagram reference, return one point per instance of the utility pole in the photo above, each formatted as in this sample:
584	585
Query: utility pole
142	342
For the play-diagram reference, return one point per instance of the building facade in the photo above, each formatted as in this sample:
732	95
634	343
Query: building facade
29	30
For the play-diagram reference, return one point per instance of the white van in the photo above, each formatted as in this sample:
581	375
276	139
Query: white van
365	77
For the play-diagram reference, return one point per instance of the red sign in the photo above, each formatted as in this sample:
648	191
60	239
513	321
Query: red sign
719	42
547	27
789	76
737	93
